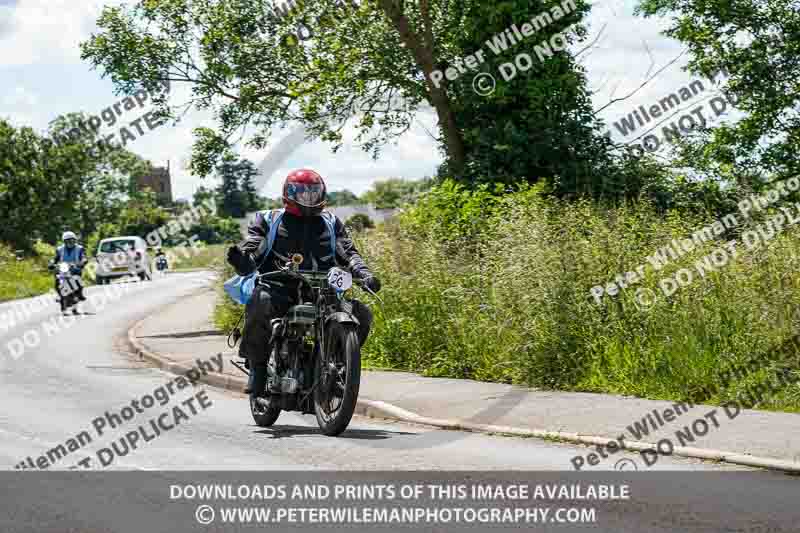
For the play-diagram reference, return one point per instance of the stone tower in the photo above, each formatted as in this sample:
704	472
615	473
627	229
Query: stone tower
158	181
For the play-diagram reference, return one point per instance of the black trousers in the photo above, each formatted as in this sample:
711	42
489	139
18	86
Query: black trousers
266	305
62	297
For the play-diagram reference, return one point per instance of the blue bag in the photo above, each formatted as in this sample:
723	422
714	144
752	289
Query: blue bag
240	288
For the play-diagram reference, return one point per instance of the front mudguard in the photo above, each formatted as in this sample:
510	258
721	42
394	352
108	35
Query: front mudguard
342	317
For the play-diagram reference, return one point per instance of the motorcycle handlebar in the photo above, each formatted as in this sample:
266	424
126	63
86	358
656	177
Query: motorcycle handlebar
299	275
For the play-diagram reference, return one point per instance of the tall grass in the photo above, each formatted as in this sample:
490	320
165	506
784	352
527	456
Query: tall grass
513	303
226	311
497	289
26	278
210	256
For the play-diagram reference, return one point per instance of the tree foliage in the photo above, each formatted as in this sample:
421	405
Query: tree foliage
758	44
343	197
368	64
359	222
52	182
236	194
395	192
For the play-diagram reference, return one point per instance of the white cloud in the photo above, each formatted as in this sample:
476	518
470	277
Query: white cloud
47	31
40	34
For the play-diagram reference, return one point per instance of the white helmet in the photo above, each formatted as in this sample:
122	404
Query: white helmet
69	235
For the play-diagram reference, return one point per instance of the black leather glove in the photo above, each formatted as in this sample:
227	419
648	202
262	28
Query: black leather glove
371	282
243	263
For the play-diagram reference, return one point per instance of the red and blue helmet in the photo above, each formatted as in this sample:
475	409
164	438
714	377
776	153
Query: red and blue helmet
304	193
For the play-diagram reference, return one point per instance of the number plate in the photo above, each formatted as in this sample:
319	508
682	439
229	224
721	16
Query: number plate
339	279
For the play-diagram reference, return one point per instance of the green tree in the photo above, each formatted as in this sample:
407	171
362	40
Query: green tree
395	192
202	196
540	124
757	44
61	180
141	214
231	202
250	198
371	65
236	195
359	222
27	197
271	203
343	197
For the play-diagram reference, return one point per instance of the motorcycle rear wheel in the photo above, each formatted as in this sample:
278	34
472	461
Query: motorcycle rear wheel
337	378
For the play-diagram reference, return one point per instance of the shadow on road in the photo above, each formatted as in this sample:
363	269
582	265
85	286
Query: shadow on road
279	432
186	335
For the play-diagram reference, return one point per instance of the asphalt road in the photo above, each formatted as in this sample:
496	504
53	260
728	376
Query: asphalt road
57	388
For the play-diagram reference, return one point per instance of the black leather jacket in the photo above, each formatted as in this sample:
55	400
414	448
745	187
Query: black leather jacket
305	235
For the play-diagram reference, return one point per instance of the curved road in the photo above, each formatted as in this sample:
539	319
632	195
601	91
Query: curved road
78	371
56	389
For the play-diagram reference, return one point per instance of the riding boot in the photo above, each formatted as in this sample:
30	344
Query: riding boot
258	379
250	378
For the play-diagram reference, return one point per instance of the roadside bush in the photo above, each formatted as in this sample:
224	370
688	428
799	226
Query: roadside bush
217	230
359	222
515	305
226	312
26	278
497	288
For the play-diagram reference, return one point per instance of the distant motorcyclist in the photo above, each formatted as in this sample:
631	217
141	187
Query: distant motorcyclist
75	256
305	228
161	259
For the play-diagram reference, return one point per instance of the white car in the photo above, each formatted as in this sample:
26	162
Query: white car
119	257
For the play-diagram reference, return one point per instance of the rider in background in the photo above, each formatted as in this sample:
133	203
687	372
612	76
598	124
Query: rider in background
73	254
301	230
161	255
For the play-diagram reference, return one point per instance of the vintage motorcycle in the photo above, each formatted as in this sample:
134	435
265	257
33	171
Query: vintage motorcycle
315	357
69	283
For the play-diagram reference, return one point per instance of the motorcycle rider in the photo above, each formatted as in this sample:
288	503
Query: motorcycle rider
159	256
73	254
301	230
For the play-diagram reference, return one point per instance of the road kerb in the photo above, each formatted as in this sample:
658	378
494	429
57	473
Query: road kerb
379	409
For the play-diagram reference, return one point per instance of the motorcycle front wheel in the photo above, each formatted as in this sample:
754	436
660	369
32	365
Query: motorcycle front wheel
262	415
337	378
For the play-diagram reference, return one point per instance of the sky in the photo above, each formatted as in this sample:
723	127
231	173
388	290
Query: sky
42	76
